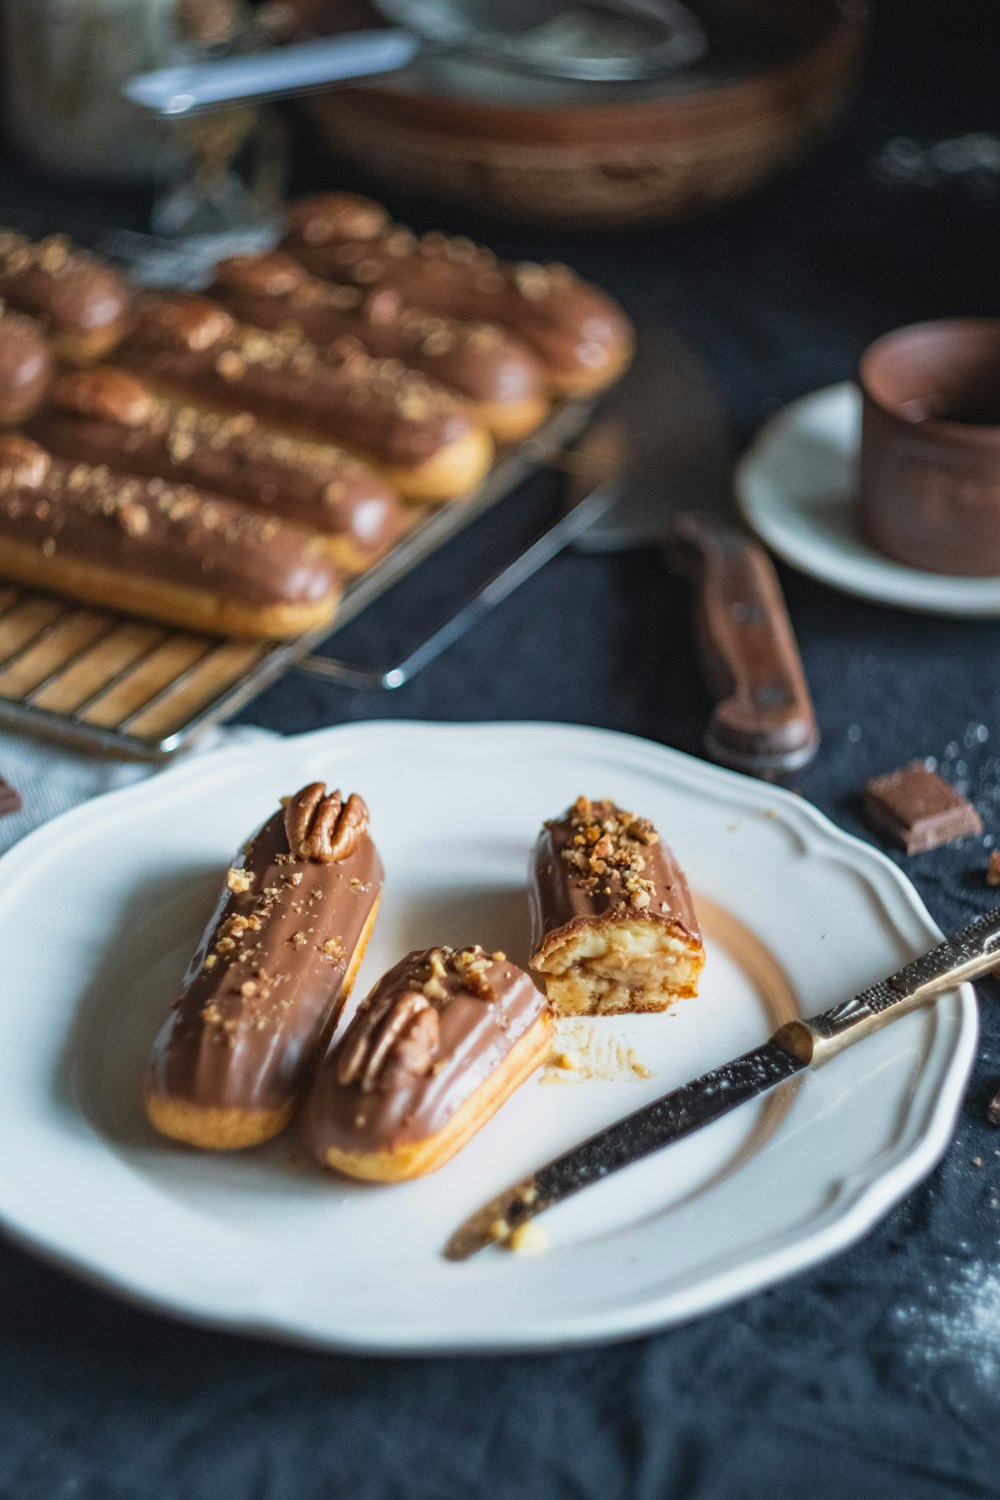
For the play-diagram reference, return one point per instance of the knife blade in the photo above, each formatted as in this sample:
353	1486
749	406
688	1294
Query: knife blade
794	1047
673	489
666	1120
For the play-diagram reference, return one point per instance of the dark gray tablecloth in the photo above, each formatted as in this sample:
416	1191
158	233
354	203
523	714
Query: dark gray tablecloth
875	1374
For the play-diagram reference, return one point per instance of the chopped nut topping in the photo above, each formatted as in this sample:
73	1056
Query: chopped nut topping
532	281
606	845
230	366
133	519
239	881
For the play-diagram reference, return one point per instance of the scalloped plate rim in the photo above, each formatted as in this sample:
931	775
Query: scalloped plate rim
858	1202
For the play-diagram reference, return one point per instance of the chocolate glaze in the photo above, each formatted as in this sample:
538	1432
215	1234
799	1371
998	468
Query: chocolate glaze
25	366
149	527
257	1003
70	291
479	360
563	897
104	415
190	346
479	1017
575	329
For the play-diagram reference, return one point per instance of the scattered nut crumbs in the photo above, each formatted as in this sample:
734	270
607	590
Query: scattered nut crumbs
528	1238
239	881
596	1054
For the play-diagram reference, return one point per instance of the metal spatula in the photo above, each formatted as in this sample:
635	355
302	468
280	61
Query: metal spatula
673	490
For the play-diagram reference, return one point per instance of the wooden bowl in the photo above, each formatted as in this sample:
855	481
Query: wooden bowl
607	155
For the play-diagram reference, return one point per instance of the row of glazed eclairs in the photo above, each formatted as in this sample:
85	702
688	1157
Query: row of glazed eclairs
222	461
446	1035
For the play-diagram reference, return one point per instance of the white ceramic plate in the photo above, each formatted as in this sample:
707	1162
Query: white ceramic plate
100	910
796	488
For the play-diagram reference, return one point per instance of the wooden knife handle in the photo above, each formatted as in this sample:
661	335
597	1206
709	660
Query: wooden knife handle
763	722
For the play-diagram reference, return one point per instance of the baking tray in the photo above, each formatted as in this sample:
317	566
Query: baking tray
128	686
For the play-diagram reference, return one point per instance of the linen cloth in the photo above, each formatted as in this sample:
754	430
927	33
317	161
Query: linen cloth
53	777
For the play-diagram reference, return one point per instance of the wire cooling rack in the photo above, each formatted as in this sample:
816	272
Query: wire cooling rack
132	687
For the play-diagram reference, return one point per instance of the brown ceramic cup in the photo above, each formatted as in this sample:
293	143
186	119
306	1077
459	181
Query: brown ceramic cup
930	446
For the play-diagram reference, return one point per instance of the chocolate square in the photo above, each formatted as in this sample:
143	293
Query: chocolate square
919	810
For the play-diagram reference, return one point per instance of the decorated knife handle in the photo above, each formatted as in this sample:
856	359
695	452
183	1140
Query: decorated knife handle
763	721
969	953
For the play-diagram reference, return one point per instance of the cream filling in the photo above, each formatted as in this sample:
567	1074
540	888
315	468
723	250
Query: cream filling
621	966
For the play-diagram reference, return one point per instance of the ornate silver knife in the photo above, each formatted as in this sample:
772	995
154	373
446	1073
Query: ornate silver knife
795	1046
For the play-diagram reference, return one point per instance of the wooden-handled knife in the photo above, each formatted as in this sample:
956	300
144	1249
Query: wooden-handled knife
763	721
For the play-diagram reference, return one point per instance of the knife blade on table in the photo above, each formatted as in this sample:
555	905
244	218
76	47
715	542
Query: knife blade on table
794	1047
673	489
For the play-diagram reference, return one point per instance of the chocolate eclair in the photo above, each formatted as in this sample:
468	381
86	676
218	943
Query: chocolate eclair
421	436
613	927
271	975
103	415
579	333
80	301
169	552
495	372
443	1039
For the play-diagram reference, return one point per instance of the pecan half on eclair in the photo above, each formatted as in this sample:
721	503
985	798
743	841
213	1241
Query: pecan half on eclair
271	975
443	1039
613	927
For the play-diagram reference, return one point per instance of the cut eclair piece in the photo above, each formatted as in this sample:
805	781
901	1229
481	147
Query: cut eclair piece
613	927
270	977
441	1042
500	377
420	436
169	552
103	415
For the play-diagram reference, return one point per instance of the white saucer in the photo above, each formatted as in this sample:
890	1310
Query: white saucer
100	910
796	488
